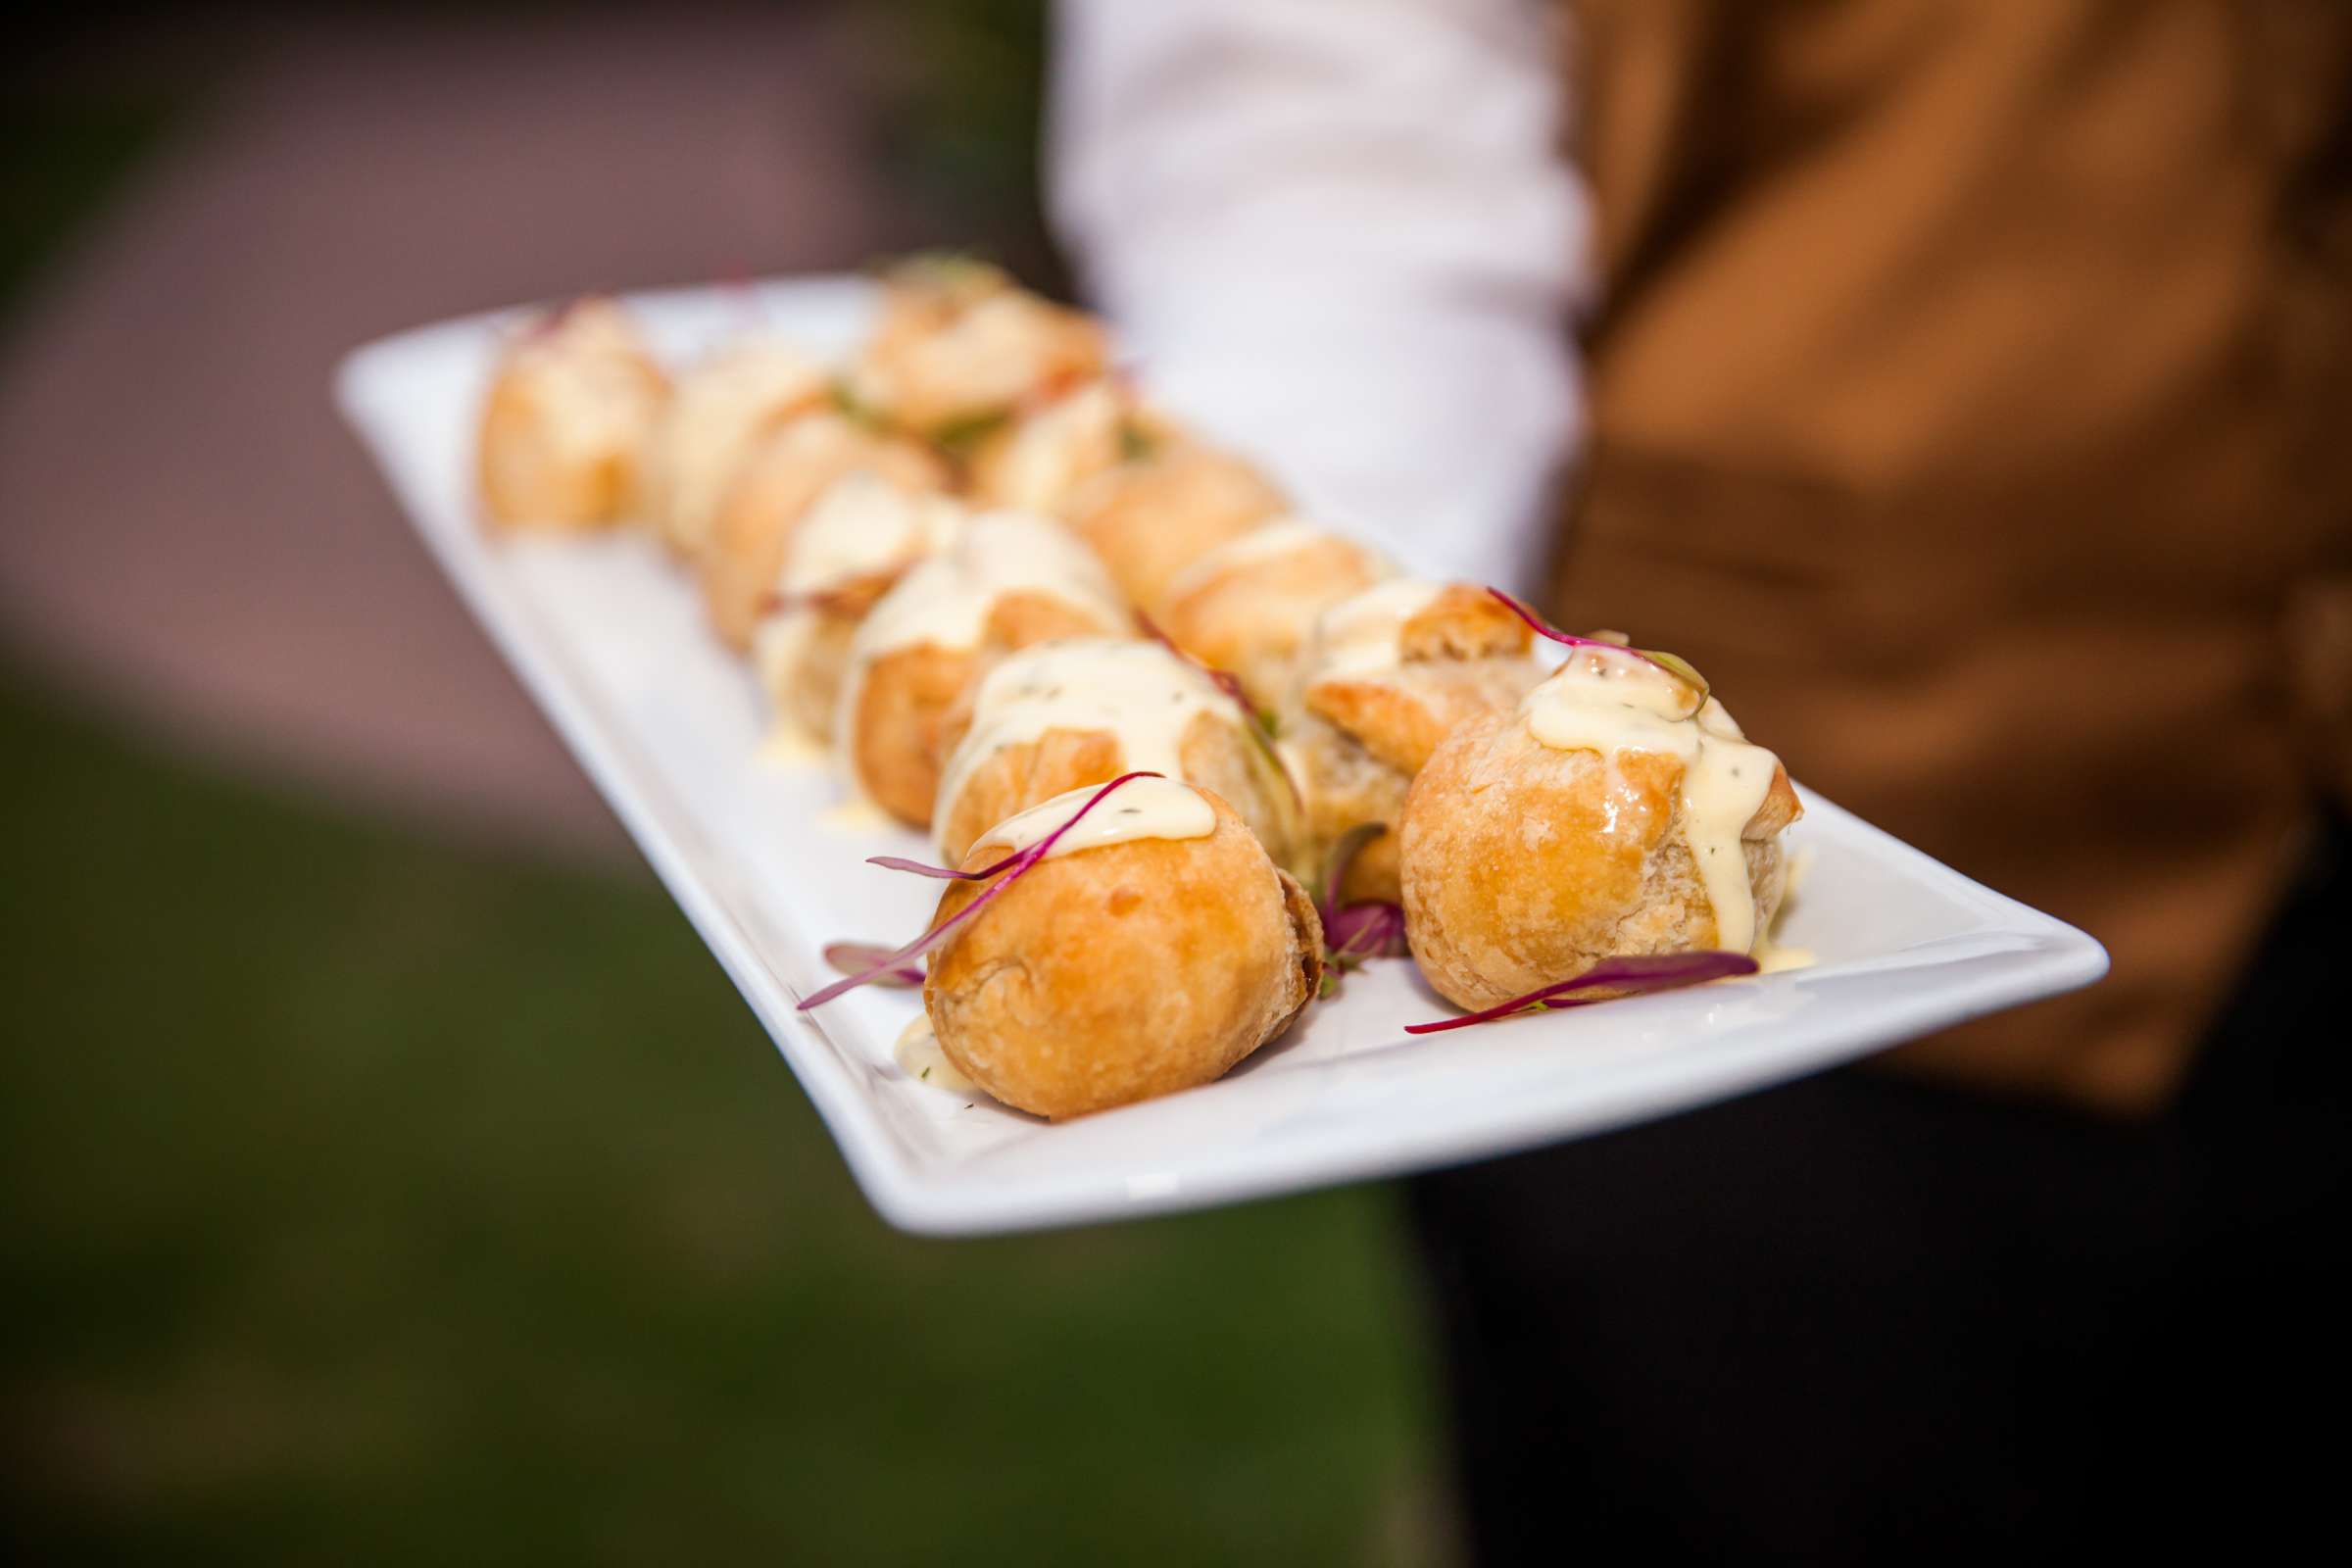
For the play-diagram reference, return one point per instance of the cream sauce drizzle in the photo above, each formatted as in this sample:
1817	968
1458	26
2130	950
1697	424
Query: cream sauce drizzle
991	354
589	372
1137	692
945	601
1363	635
920	1057
863	525
720	407
1266	542
1050	452
1609	703
857	816
1139	809
787	748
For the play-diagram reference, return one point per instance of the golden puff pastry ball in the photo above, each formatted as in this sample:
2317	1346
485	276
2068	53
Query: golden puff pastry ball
1129	964
1616	811
719	410
854	545
1050	447
571	405
1388	674
780	479
1054	717
1249	604
1165	509
958	343
1009	580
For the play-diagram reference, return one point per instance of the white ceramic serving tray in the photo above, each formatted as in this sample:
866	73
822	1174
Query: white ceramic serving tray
609	637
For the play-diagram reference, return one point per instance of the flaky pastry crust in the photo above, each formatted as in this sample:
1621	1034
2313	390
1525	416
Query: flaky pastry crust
1524	866
1120	973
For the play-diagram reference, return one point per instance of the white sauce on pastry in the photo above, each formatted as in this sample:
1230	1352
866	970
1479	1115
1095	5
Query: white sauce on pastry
946	601
1052	451
920	1056
1607	702
1266	542
1139	809
1363	635
721	407
991	355
592	378
1137	692
861	526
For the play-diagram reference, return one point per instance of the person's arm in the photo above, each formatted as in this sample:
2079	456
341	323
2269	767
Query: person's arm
1341	235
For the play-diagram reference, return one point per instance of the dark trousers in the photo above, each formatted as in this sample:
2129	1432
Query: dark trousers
1862	1319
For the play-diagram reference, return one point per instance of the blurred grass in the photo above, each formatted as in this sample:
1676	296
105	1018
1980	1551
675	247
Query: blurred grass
366	1190
368	1197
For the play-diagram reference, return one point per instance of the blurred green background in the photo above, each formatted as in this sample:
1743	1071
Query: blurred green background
376	1195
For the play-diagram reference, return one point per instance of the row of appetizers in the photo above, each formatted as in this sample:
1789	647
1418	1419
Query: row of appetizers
1097	657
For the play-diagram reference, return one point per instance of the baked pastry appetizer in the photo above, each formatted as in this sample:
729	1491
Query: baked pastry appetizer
1249	604
856	542
720	408
1387	676
1168	505
777	483
1049	448
1009	580
564	429
1152	946
1617	811
959	347
1063	714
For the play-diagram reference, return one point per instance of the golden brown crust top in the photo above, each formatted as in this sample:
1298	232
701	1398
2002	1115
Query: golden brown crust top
1252	616
914	703
1463	621
960	341
1524	865
564	428
1149	520
781	480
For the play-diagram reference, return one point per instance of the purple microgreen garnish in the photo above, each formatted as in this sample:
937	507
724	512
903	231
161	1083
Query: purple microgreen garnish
1259	724
1013	867
858	957
1656	971
1354	933
773	603
899	862
552	319
1225	680
1673	665
1367	930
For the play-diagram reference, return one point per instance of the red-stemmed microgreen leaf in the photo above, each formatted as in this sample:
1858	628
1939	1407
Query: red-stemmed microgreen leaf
860	957
1354	933
1225	680
773	603
1013	867
1673	665
1260	725
899	862
1656	971
1366	930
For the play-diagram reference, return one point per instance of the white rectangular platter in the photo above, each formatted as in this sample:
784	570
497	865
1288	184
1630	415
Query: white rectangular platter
609	638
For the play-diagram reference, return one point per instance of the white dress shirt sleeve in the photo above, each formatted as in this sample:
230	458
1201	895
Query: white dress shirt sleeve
1341	235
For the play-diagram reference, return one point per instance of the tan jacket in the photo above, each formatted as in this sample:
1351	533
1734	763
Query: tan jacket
1973	403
